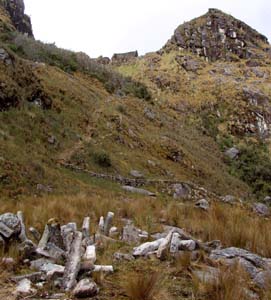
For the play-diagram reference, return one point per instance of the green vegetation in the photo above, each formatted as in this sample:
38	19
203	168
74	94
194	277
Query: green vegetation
253	166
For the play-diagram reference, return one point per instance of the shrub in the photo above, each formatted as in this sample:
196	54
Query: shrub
70	61
102	159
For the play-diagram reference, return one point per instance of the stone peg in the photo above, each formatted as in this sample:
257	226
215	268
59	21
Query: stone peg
73	263
108	223
90	254
101	225
86	228
164	246
35	233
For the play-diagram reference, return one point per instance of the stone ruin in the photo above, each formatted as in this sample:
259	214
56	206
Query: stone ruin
120	58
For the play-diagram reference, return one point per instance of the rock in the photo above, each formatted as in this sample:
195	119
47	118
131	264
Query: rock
263	280
52	140
5	231
12	222
202	204
51	268
33	277
228	199
24	288
261	209
149	114
181	191
188	245
138	191
104	269
90	254
232	153
20	20
44	188
4	56
38	263
123	256
267	200
145	248
108	222
136	174
233	252
86	288
189	63
130	234
113	232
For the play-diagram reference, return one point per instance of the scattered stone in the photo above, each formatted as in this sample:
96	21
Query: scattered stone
108	223
232	153
5	231
90	254
104	269
44	188
138	191
136	174
228	199
263	279
123	256
188	245
24	288
261	209
85	288
180	191
12	222
203	204
33	277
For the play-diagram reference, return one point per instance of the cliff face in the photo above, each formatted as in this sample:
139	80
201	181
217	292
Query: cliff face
217	35
21	21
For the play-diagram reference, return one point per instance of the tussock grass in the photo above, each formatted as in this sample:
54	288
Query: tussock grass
144	286
231	283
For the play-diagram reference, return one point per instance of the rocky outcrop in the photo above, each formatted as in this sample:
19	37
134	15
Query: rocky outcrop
20	20
217	35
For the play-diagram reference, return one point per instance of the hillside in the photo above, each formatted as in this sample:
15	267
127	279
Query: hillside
189	122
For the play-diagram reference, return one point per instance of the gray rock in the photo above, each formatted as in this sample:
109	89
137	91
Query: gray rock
86	288
132	189
267	200
24	288
149	114
5	231
188	245
228	199
11	221
123	256
203	204
233	252
130	234
38	263
263	280
261	209
232	153
180	191
136	174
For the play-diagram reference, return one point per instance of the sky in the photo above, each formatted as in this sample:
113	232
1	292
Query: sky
105	27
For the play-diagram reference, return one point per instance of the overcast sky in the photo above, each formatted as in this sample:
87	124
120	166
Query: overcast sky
104	27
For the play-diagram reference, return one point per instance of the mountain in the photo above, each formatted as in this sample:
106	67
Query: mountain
217	35
179	137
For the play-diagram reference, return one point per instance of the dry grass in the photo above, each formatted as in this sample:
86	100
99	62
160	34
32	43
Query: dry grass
232	283
233	226
144	287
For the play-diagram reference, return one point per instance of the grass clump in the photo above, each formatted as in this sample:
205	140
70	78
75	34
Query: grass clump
102	159
143	286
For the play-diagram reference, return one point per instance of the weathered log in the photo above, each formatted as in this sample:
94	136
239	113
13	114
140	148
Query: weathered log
145	248
86	228
72	266
162	250
35	233
108	223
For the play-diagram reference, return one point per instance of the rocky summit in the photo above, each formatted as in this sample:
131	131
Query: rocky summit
136	177
217	35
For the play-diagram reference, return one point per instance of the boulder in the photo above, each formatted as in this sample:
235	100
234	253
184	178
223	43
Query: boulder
232	153
145	248
181	191
202	204
12	222
261	209
24	288
86	288
132	189
136	174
